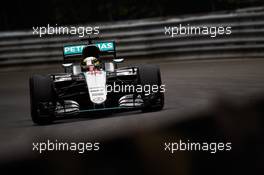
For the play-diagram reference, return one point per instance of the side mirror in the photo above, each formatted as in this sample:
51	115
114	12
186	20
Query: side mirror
118	60
67	65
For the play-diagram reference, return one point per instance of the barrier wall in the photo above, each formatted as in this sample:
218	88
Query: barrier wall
147	37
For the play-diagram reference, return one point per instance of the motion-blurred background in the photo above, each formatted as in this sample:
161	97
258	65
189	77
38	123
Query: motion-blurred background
18	14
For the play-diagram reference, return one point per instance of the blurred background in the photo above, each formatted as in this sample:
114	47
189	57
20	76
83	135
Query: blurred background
214	87
18	14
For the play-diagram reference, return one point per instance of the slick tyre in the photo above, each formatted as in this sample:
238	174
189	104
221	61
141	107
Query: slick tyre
149	75
41	99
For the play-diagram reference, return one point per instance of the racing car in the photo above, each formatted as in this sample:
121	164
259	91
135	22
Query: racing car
84	88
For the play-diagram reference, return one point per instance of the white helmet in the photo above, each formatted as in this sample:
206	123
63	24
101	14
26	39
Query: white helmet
89	61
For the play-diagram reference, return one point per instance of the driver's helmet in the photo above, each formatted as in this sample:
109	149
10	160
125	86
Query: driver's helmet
90	59
90	64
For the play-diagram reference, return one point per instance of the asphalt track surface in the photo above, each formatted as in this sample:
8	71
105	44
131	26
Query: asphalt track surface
191	86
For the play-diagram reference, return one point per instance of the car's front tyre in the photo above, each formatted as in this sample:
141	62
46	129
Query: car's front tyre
150	75
41	99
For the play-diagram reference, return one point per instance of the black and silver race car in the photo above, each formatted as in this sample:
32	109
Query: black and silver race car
81	90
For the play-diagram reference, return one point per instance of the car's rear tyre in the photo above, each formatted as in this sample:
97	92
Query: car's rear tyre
41	99
150	75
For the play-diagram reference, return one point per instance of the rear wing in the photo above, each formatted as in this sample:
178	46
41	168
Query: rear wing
74	52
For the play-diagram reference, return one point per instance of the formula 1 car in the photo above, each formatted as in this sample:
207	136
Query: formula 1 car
105	88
